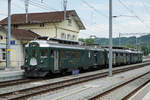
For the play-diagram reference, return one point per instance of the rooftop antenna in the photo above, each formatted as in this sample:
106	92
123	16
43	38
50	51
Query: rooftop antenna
26	9
65	7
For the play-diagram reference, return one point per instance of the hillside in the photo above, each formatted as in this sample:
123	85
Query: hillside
143	40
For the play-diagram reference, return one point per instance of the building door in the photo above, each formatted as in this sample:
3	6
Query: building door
56	60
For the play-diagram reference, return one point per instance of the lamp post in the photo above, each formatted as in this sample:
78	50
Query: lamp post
110	38
120	33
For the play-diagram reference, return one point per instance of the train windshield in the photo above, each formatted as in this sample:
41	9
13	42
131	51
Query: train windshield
33	53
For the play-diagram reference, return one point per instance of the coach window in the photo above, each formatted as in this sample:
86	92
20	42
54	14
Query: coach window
44	53
62	54
52	53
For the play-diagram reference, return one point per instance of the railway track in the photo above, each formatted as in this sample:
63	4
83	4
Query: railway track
24	80
17	82
123	88
38	90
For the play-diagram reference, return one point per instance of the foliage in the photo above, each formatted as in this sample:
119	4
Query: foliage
87	41
143	42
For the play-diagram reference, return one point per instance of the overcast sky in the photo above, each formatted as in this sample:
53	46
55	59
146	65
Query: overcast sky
94	14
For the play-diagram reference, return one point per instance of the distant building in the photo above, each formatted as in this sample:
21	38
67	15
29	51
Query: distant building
51	24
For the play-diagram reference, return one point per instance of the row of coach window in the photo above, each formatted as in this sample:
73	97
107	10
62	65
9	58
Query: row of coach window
68	36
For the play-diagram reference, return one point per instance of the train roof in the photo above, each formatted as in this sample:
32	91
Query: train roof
45	43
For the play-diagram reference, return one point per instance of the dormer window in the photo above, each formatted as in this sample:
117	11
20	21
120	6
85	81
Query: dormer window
69	22
42	25
15	26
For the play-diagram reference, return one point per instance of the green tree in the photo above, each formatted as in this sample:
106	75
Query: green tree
87	40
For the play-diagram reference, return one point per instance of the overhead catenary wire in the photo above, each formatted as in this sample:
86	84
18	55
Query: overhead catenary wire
36	4
94	9
45	5
145	7
132	12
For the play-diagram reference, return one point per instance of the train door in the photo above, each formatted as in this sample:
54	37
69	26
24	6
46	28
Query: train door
95	56
56	60
114	58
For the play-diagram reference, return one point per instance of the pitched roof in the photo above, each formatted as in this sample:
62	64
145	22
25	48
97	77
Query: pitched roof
51	17
21	34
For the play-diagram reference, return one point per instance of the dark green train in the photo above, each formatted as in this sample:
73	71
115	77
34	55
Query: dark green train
43	57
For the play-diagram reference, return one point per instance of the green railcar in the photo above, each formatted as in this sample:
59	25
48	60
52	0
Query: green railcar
43	58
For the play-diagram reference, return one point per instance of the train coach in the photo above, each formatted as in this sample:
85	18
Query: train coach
43	57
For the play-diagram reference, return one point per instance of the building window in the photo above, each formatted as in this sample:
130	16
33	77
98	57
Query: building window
69	22
42	25
68	36
74	37
3	54
63	35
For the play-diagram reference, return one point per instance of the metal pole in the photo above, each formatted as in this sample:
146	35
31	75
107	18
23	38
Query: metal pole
136	44
119	39
8	35
26	9
65	8
110	38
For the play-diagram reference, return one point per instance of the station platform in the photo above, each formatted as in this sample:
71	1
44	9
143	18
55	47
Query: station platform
11	74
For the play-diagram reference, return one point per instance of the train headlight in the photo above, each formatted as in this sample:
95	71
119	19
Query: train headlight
26	60
41	61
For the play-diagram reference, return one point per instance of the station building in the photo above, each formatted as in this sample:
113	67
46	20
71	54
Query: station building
51	24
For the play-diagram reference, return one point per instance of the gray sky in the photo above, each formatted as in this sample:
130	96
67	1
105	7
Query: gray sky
94	14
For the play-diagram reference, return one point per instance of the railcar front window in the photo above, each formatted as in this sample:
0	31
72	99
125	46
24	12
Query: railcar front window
44	53
34	53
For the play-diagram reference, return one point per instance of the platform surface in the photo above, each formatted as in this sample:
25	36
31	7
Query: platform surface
11	73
